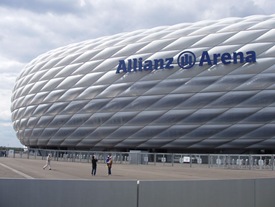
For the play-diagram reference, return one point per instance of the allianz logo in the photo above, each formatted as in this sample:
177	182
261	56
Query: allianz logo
185	60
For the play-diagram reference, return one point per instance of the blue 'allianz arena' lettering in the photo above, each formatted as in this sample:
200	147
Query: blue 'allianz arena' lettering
227	58
137	64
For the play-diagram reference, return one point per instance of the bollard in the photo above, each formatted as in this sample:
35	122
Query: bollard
272	162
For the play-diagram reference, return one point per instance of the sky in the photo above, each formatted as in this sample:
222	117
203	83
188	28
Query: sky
29	28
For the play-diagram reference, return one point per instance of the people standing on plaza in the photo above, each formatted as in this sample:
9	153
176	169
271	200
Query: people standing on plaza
48	162
94	165
109	162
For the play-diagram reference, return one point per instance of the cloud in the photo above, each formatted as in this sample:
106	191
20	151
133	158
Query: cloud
7	136
241	10
5	97
43	6
7	82
31	31
7	133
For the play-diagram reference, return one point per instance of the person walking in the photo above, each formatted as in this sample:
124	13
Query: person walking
109	162
94	165
48	162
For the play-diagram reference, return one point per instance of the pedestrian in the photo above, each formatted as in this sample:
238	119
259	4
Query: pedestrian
48	162
94	165
109	162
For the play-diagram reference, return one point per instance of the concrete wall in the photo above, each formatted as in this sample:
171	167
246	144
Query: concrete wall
219	193
67	193
205	193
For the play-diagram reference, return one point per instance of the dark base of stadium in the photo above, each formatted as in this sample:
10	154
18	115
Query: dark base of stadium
182	151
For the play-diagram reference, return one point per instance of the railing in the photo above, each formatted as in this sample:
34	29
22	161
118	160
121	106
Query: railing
236	161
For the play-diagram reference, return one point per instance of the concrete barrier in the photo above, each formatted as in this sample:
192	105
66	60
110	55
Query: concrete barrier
202	193
67	193
218	193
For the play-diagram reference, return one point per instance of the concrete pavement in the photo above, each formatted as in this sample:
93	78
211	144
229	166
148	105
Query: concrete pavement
32	169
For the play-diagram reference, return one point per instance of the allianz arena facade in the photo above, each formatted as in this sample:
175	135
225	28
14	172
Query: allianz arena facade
193	87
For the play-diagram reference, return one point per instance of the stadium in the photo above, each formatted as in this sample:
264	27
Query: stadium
207	86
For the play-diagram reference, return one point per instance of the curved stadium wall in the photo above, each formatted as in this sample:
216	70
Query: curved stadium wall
205	86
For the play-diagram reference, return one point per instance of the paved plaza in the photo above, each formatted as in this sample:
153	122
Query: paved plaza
32	169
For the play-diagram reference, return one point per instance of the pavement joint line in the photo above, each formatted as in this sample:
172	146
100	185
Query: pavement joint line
16	171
